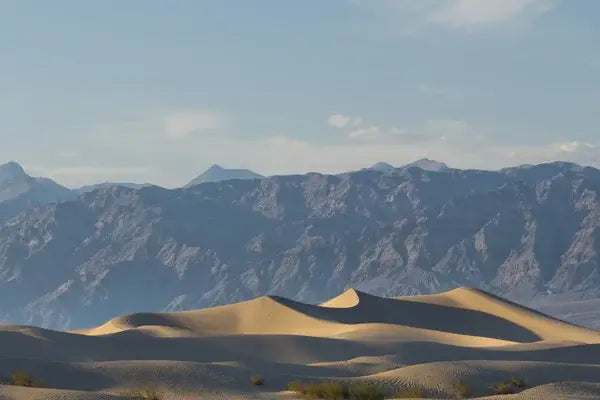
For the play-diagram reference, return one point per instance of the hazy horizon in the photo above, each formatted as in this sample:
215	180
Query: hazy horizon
157	92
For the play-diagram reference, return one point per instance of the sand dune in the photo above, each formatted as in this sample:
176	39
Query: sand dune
425	342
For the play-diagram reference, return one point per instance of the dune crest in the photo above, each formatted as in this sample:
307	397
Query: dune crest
428	342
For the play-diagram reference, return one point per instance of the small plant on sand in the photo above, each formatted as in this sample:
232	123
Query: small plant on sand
295	386
410	394
257	380
146	392
20	378
503	388
462	389
518	382
322	390
365	391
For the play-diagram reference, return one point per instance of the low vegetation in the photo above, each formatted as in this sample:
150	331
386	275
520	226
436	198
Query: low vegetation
512	386
257	380
21	378
518	382
321	390
463	390
336	391
503	388
146	392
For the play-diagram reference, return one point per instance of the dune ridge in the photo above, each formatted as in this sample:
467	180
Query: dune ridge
428	342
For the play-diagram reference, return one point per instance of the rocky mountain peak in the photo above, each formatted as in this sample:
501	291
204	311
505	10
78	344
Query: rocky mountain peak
12	172
428	164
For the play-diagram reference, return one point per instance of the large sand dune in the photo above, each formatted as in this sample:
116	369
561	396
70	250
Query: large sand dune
423	342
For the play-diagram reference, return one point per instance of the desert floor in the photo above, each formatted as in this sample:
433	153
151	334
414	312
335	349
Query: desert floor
426	343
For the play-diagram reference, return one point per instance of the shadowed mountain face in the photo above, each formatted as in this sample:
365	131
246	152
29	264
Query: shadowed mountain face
527	233
19	191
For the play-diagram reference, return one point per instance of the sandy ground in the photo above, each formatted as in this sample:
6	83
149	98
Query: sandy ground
422	342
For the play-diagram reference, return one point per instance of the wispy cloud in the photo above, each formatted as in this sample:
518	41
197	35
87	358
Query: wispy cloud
171	163
368	133
466	15
342	121
469	13
182	124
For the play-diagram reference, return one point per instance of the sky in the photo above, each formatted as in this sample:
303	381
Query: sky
157	91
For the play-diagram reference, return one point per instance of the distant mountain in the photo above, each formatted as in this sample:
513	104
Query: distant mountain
425	164
217	173
382	167
104	185
428	165
530	234
19	191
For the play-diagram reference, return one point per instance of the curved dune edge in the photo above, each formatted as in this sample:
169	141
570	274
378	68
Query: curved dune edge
354	314
426	342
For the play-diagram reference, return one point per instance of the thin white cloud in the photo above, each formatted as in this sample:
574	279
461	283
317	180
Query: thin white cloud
174	162
414	16
342	121
465	13
182	124
368	133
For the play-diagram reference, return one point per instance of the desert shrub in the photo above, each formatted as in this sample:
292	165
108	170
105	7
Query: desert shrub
257	380
503	388
146	392
410	394
21	378
295	386
365	391
462	389
322	390
518	382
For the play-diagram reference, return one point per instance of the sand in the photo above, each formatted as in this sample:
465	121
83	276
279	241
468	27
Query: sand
423	342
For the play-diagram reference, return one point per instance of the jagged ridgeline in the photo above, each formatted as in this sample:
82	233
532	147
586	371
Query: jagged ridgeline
529	233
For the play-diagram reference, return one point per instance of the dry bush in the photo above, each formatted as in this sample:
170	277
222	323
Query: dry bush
322	390
257	380
146	392
21	378
503	388
518	382
462	389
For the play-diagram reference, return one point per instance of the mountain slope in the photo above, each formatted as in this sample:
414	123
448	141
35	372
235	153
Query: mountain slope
524	233
217	173
19	191
104	185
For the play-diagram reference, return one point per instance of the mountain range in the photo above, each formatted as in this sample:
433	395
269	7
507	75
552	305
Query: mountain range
19	191
529	233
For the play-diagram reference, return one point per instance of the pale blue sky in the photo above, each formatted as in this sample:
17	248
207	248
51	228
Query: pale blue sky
157	91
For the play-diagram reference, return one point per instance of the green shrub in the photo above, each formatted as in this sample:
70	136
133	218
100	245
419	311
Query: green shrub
410	394
257	380
518	382
462	389
20	378
365	391
503	388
